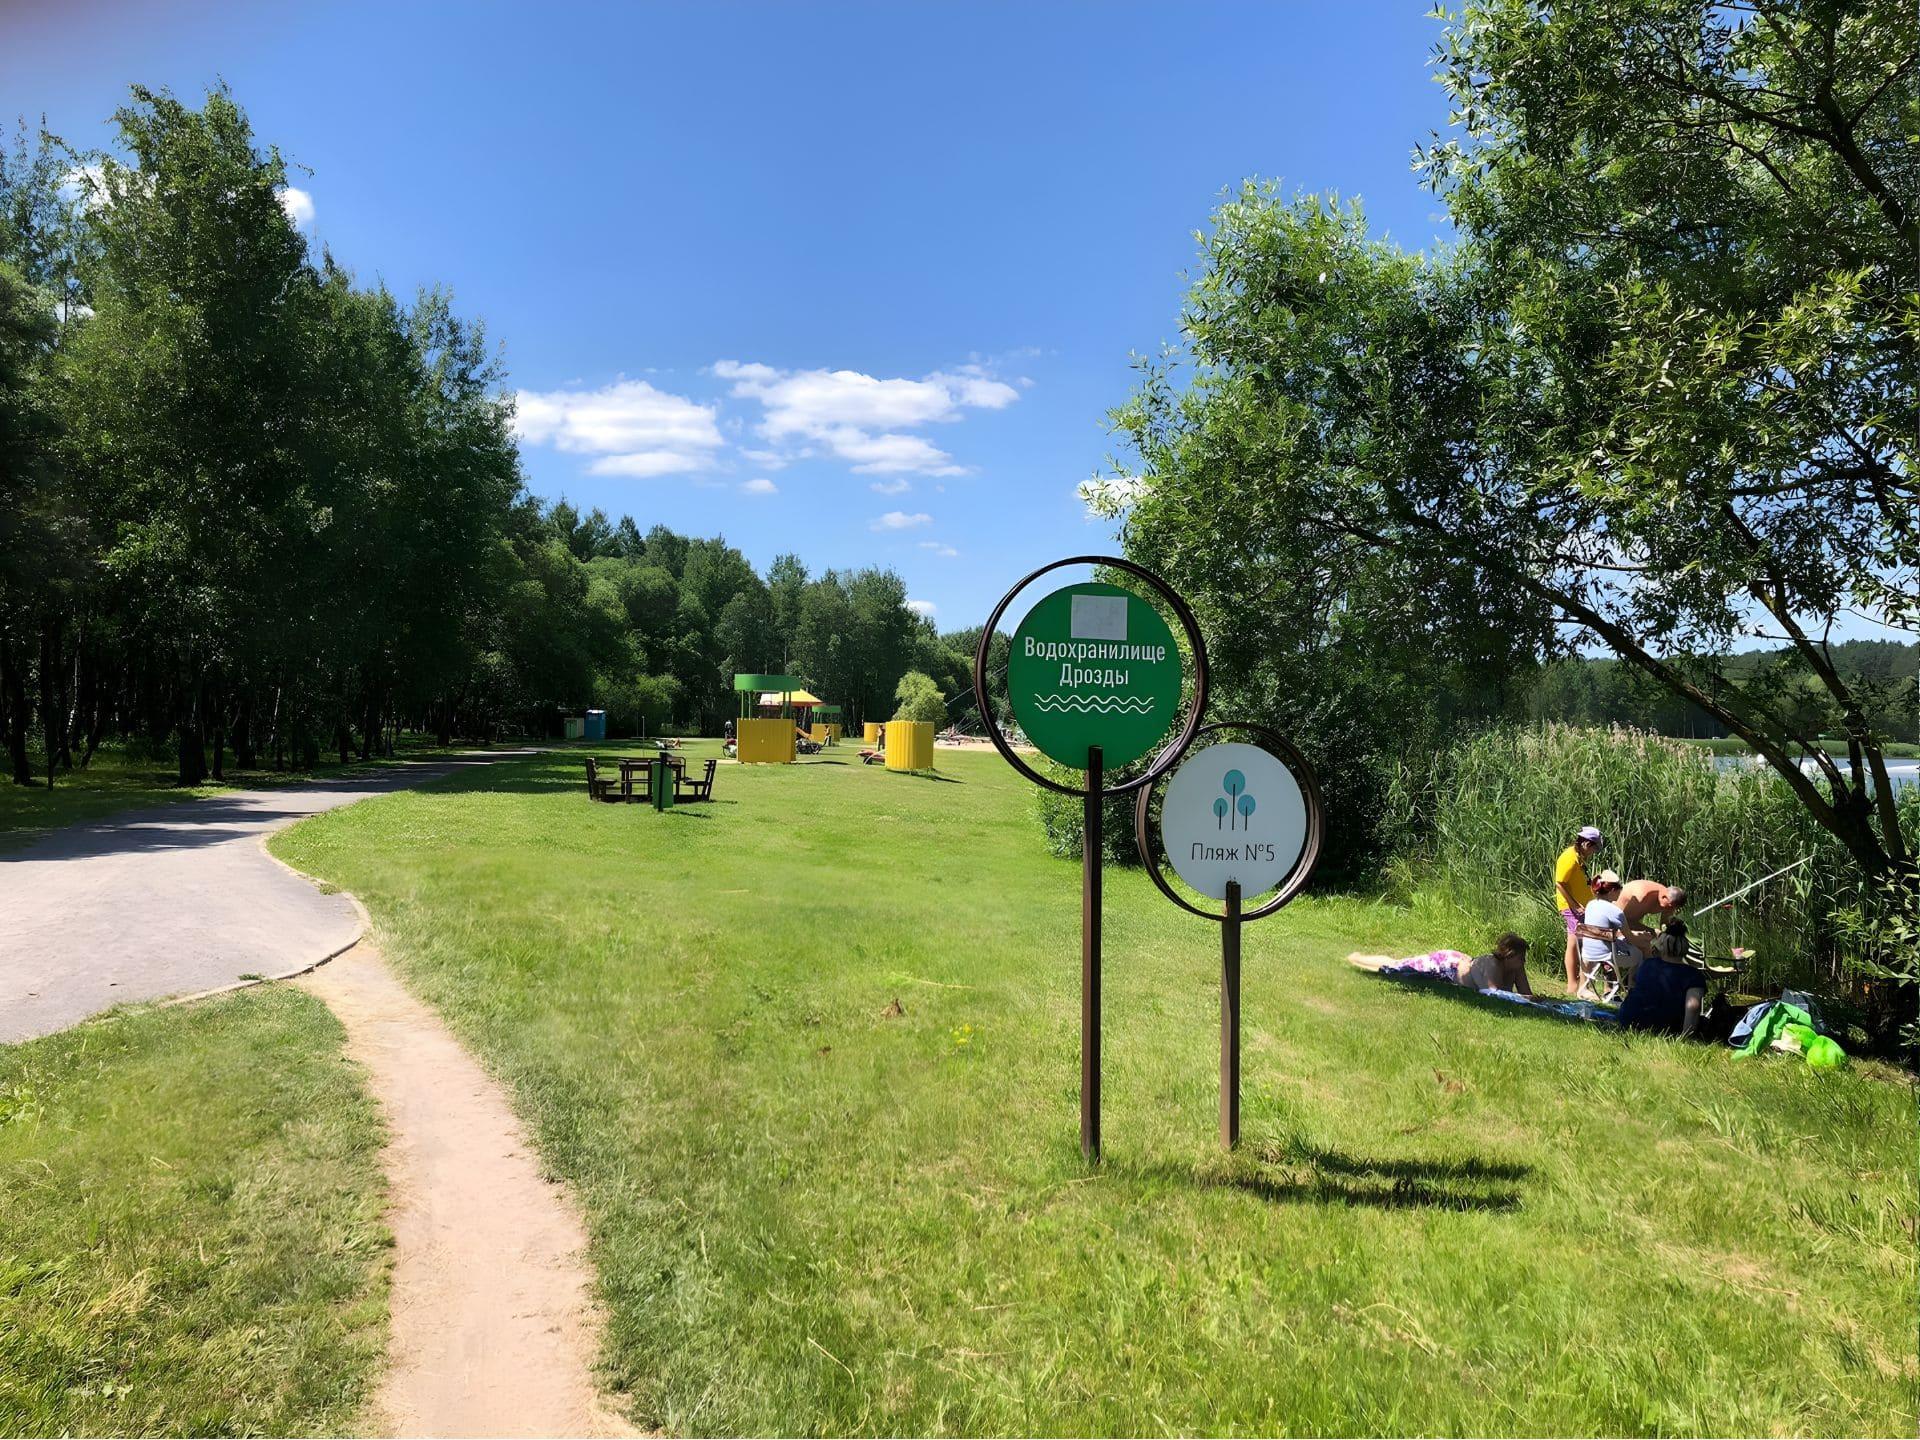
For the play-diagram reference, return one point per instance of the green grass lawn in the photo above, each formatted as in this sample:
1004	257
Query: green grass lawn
116	781
190	1233
810	1057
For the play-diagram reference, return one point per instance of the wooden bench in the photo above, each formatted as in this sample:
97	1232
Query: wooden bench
599	787
701	789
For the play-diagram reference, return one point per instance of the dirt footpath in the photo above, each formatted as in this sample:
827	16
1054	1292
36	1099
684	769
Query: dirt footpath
494	1330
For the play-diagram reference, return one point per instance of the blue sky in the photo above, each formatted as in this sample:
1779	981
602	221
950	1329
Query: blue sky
857	281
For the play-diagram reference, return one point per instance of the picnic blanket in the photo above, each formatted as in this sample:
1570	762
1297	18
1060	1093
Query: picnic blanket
1443	967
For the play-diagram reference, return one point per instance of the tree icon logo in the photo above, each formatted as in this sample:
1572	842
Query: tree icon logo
1240	805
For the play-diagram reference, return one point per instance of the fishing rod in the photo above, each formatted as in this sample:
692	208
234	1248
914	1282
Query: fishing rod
1729	899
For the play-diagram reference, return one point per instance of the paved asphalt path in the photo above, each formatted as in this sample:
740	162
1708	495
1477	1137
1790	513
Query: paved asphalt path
173	900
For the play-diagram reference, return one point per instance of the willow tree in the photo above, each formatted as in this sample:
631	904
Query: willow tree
1658	391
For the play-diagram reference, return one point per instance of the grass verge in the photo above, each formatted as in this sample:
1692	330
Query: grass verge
810	1057
190	1232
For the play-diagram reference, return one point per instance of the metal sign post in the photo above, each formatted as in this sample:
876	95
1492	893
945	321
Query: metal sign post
1094	678
1230	1019
1237	820
1092	851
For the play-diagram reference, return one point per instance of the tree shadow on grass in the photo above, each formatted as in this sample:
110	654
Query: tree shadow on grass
930	775
536	781
1300	1173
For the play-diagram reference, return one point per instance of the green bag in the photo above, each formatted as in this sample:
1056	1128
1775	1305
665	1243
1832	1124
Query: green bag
1796	1025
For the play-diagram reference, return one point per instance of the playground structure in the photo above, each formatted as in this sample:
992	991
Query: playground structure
775	711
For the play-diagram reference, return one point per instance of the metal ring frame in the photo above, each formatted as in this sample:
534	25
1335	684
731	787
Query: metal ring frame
1295	879
1181	610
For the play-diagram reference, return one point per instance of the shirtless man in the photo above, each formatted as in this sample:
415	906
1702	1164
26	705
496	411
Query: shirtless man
1640	899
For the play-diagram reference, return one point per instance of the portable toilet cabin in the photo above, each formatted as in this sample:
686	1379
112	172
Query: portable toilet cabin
596	725
576	727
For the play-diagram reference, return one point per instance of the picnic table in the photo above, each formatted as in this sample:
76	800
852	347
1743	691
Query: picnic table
631	764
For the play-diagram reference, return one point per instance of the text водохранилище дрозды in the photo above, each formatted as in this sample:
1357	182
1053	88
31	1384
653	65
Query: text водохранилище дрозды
1094	665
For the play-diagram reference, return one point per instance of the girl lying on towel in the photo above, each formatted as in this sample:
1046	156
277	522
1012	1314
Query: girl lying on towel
1502	968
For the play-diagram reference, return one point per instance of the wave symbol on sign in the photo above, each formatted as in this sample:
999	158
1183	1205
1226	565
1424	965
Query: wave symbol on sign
1103	704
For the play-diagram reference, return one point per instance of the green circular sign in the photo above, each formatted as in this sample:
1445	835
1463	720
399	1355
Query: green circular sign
1094	665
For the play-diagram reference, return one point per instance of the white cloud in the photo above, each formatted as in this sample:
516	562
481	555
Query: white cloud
766	459
1108	498
890	487
83	184
744	371
944	551
298	204
901	520
635	429
921	607
858	417
888	454
646	464
974	387
759	487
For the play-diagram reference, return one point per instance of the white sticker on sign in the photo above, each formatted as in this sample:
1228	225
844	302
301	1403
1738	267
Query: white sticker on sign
1233	812
1098	617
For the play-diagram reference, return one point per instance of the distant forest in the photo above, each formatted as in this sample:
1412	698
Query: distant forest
1885	673
654	625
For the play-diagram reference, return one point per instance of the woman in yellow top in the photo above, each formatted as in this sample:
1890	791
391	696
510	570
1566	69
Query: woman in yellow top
1572	891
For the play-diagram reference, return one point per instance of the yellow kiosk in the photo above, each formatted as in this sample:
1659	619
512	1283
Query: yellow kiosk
761	738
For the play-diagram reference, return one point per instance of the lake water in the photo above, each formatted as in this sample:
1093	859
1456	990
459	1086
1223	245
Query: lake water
1901	773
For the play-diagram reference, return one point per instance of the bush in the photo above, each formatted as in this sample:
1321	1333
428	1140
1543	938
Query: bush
1063	817
920	699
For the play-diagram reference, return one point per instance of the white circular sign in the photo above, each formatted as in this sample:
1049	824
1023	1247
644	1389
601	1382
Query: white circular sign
1233	812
